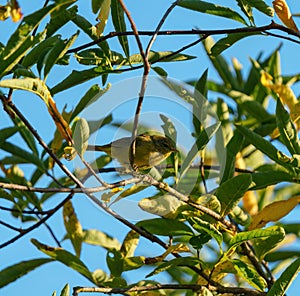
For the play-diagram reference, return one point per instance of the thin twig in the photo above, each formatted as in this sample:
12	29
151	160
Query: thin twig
265	28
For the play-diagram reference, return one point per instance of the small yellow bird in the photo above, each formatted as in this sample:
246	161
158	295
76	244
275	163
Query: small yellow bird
150	150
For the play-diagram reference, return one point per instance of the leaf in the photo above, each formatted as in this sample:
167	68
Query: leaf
114	260
6	133
183	261
13	272
249	274
129	244
287	129
165	227
204	226
265	146
283	12
261	6
286	278
78	77
239	238
96	5
90	97
57	52
99	238
65	291
210	8
230	192
164	206
39	88
131	263
228	41
65	258
81	135
73	227
203	138
118	19
103	16
232	148
274	212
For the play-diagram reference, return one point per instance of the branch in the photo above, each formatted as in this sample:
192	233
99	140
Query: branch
192	287
265	28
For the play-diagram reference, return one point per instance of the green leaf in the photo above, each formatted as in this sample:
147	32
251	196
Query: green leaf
261	6
230	192
184	261
249	274
228	41
118	19
281	255
23	154
65	258
90	97
78	77
65	291
13	272
60	18
203	138
246	9
286	278
203	226
57	52
131	263
273	231
96	5
165	227
232	148
288	131
265	146
99	238
81	135
6	133
210	8
114	260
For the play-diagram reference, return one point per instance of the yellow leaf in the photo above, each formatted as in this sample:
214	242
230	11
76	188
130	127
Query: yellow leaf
5	12
16	13
283	12
73	227
274	212
103	17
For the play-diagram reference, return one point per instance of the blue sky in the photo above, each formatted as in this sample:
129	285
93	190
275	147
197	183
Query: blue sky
146	14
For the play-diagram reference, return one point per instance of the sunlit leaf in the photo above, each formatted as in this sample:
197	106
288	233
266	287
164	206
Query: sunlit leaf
283	12
99	238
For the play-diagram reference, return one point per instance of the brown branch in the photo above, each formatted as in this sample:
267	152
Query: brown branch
192	287
265	28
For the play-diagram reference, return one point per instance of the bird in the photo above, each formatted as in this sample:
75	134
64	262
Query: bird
150	150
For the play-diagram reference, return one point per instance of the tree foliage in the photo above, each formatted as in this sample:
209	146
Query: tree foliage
200	200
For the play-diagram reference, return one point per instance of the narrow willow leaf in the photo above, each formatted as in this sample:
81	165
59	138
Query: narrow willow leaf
118	19
90	97
232	148
23	154
203	226
65	291
131	263
96	5
65	258
230	192
220	65
242	237
78	77
281	255
166	227
211	8
286	278
261	6
103	16
246	9
60	18
249	274
13	272
73	227
228	41
261	180
184	261
202	140
6	133
288	131
57	52
265	146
